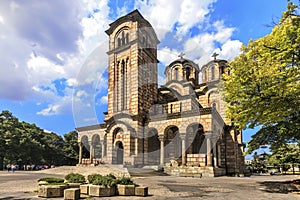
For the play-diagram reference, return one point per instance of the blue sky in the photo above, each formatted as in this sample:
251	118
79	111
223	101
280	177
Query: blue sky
47	51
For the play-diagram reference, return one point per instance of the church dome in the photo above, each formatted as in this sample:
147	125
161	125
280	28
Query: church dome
182	69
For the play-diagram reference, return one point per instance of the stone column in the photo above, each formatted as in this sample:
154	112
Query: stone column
208	148
91	153
102	150
80	152
162	152
215	155
136	150
219	154
183	153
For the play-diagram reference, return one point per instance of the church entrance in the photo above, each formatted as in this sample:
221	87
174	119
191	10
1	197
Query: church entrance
120	152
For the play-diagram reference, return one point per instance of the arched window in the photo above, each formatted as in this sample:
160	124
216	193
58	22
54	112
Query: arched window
214	105
176	74
119	42
188	73
212	72
123	38
127	38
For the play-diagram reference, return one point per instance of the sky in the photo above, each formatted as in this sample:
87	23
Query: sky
53	61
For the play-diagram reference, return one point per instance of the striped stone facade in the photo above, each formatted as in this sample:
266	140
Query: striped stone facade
179	126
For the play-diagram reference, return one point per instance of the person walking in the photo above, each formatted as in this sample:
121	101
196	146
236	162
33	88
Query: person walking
8	167
13	168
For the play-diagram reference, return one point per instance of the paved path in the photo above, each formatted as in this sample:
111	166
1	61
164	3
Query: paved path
21	185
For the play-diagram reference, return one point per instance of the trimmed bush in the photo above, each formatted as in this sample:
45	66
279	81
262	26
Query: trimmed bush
92	177
107	181
75	178
112	176
125	181
52	180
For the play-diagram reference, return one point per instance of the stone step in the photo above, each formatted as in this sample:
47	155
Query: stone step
144	172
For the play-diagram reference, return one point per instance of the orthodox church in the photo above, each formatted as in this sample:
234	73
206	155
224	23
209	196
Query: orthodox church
180	126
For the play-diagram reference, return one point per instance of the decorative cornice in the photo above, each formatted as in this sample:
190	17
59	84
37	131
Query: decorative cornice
90	128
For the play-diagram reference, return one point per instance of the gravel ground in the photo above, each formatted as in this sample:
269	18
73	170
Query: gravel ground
22	185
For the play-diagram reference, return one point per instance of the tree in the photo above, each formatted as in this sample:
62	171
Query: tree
25	144
287	154
262	87
71	148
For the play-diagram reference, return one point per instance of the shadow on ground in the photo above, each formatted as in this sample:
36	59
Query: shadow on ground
14	198
283	187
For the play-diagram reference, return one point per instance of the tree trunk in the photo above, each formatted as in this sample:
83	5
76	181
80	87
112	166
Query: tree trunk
1	162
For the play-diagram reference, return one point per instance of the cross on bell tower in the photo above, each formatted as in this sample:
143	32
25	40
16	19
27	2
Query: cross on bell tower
215	56
181	55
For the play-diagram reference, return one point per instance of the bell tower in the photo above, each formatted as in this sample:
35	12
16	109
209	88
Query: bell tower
132	69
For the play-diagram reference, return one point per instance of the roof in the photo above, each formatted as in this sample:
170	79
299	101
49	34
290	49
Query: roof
133	16
183	61
213	61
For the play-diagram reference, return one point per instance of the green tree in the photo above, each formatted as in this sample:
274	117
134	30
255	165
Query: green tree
53	149
71	148
23	143
10	136
288	154
262	87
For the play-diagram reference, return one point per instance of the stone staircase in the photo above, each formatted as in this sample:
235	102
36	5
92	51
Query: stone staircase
145	172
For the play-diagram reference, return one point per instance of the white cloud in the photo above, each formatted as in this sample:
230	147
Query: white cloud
42	71
1	20
104	100
51	110
192	13
200	47
161	80
230	49
223	33
63	40
162	14
167	55
49	43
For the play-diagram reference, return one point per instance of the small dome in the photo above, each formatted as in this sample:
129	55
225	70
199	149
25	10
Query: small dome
182	69
213	70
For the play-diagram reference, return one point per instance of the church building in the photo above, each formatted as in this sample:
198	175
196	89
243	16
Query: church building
179	127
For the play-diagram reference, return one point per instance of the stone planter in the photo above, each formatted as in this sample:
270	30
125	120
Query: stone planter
125	190
84	189
101	191
74	185
141	191
72	194
49	191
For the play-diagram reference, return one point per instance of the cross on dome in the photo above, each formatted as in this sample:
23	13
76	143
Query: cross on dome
215	56
181	55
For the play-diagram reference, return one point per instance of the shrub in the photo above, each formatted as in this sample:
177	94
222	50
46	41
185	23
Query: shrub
75	178
92	177
107	181
52	180
112	176
125	181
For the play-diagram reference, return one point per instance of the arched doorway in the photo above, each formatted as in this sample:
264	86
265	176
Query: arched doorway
172	144
195	139
153	145
96	146
120	152
85	150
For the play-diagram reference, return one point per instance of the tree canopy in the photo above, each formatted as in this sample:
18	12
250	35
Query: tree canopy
262	88
26	144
